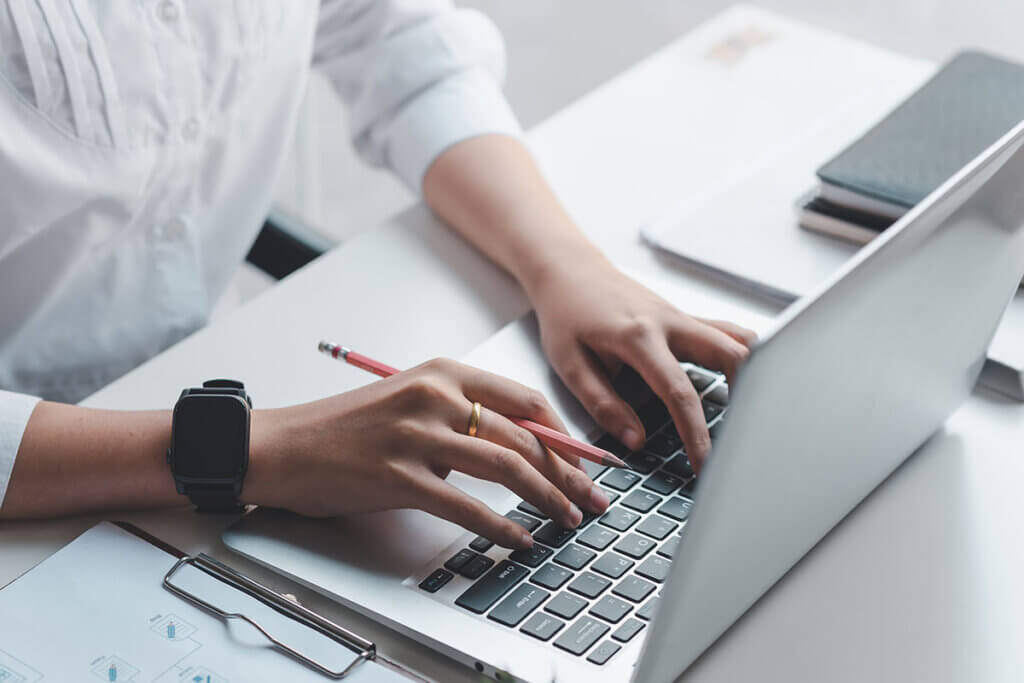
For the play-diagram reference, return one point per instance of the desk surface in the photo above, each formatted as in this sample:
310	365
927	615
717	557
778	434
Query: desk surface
919	583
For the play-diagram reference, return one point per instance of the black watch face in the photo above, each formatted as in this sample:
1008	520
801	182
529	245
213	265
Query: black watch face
211	437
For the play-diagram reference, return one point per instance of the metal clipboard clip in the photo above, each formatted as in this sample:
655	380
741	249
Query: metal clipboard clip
364	649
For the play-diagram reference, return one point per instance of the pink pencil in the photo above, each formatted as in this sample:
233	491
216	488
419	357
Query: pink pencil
551	438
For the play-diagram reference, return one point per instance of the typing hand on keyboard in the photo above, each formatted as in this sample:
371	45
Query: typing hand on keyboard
392	443
595	320
576	586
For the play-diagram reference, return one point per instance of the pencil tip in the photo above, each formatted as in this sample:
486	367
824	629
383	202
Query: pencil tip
613	461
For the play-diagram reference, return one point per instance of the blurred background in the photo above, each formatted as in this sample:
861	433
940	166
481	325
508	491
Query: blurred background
560	49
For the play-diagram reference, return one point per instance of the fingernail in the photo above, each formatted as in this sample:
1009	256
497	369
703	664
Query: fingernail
575	514
526	540
631	438
598	498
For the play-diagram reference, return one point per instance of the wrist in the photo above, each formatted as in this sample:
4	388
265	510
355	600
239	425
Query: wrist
551	270
265	481
558	264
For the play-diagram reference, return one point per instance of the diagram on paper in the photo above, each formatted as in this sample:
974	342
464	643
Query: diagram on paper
169	628
15	671
113	669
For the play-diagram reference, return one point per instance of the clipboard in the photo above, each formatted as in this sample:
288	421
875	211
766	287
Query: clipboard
83	563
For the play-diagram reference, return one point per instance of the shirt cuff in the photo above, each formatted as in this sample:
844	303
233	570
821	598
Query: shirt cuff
462	106
15	411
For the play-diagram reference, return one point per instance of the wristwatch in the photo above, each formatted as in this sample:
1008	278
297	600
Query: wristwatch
209	453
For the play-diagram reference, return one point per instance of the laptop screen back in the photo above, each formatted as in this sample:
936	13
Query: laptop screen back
847	386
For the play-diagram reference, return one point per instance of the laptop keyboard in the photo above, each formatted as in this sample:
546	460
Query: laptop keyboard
594	588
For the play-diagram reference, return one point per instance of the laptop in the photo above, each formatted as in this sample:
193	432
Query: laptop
876	359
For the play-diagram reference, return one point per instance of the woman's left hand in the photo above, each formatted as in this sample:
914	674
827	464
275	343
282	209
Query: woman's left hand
593	319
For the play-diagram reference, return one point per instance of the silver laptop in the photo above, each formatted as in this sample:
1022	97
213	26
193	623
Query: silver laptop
875	360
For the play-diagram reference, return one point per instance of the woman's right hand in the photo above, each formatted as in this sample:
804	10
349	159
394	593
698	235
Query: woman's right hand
392	443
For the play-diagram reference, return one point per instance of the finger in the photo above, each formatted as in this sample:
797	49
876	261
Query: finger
569	480
510	398
443	500
484	459
708	346
741	334
650	356
588	381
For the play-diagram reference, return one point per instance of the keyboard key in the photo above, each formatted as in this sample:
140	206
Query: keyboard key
655	568
653	415
481	544
612	445
597	537
566	605
621	480
594	470
701	380
492	587
663	445
677	508
716	429
611	609
603	652
436	581
612	495
669	547
643	462
612	565
587	518
534	557
543	626
679	466
690	489
634	588
663	483
551	576
629	628
711	410
647	611
657	527
531	510
641	501
579	637
459	560
589	585
719	395
574	556
619	519
635	545
518	605
525	521
553	535
475	568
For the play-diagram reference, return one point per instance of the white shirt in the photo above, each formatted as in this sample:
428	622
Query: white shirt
141	140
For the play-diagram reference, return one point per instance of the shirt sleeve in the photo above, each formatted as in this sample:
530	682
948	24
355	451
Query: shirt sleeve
418	76
15	411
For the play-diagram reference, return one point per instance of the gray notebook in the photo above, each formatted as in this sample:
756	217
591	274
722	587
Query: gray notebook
969	104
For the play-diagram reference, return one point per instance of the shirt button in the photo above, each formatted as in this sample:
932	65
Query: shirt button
190	130
168	11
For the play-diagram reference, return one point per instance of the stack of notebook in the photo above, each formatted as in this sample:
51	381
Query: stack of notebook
968	105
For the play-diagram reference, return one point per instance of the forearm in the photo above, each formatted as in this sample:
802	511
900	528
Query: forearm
74	460
490	190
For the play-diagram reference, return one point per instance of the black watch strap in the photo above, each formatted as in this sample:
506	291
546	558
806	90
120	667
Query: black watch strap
213	500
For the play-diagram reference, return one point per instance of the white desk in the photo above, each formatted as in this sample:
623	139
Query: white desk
920	583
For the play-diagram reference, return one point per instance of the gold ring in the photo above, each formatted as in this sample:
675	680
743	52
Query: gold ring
474	419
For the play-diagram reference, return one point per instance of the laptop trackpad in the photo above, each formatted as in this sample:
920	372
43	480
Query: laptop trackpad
370	547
